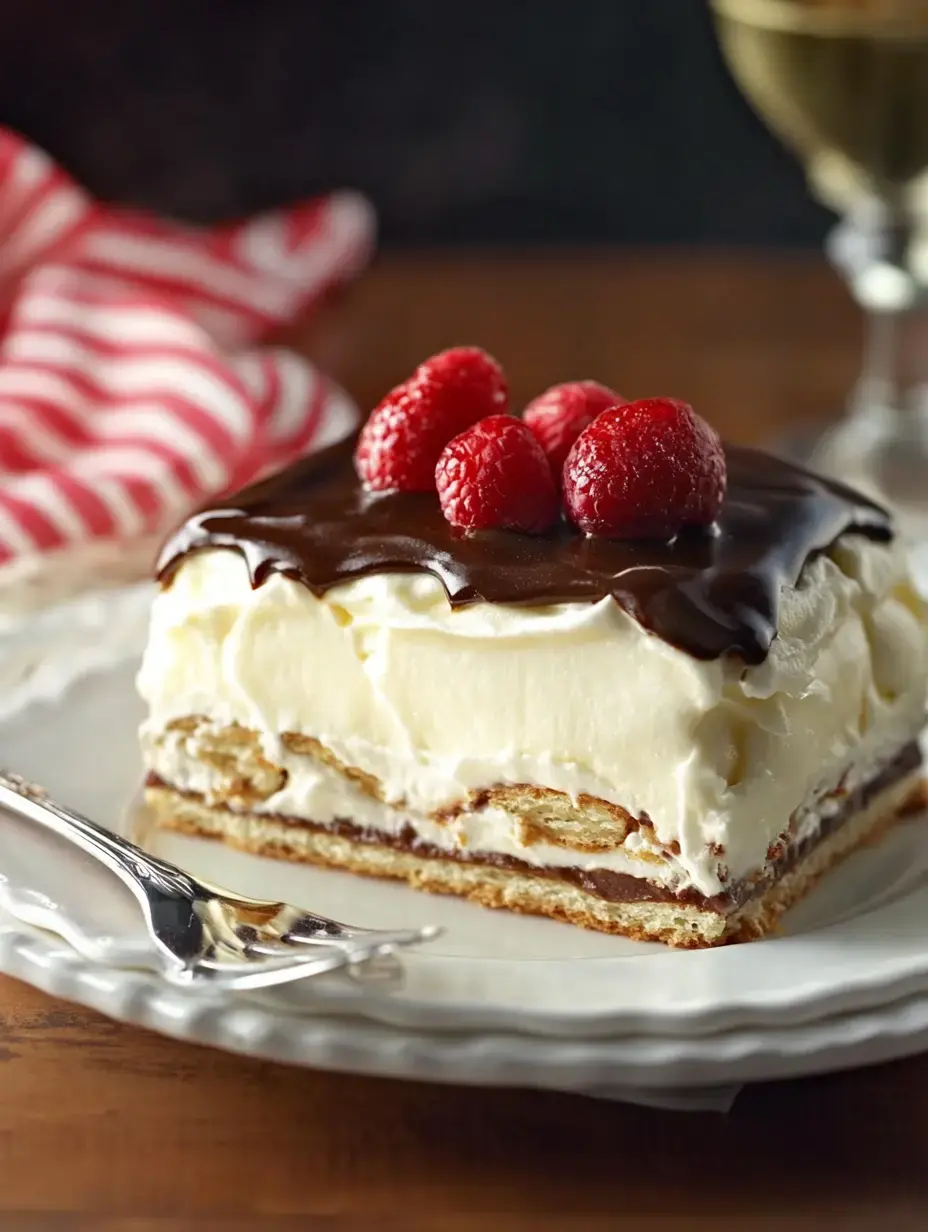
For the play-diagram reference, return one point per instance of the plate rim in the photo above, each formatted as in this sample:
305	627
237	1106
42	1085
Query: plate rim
483	1058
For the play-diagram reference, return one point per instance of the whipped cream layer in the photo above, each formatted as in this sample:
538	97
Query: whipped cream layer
576	697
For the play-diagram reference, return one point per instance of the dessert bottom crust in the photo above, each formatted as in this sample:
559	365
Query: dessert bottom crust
682	924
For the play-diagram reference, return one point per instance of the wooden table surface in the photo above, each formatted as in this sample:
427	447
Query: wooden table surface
106	1122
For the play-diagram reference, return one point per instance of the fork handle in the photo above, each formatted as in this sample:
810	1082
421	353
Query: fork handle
131	864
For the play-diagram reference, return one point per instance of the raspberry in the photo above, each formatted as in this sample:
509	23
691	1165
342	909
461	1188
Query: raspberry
400	443
470	379
496	475
644	471
559	415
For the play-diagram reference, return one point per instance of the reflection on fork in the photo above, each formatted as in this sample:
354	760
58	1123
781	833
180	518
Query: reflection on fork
203	934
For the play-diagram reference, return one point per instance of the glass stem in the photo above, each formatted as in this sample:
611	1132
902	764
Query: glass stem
893	376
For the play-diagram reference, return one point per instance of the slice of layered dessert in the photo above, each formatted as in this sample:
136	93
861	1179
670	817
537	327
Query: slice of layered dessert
587	663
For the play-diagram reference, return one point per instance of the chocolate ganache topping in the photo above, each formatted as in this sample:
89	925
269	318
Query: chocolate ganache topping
709	593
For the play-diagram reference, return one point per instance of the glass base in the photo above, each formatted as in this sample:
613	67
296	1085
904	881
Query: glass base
880	452
884	452
801	442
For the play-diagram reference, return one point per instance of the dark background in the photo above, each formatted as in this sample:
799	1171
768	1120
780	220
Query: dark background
557	121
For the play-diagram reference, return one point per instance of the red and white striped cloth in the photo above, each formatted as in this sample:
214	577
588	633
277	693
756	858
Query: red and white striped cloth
131	382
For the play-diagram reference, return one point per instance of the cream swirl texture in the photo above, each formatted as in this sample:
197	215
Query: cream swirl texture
577	697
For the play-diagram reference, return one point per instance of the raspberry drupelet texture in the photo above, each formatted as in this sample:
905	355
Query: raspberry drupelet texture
559	415
403	436
495	476
644	471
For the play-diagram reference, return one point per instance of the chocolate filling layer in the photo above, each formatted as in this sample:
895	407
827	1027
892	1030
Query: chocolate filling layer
622	887
709	593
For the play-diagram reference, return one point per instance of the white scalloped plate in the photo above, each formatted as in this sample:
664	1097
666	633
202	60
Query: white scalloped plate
856	946
648	1063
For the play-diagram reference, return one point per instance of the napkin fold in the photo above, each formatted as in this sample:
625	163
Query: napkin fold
134	376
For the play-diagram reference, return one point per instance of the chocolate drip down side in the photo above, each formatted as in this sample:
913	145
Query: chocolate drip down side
708	593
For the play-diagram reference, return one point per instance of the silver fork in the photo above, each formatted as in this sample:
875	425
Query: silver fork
204	934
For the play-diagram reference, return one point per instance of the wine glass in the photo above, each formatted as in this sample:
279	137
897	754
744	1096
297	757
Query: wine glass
845	84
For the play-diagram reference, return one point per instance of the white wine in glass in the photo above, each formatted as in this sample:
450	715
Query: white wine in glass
845	84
